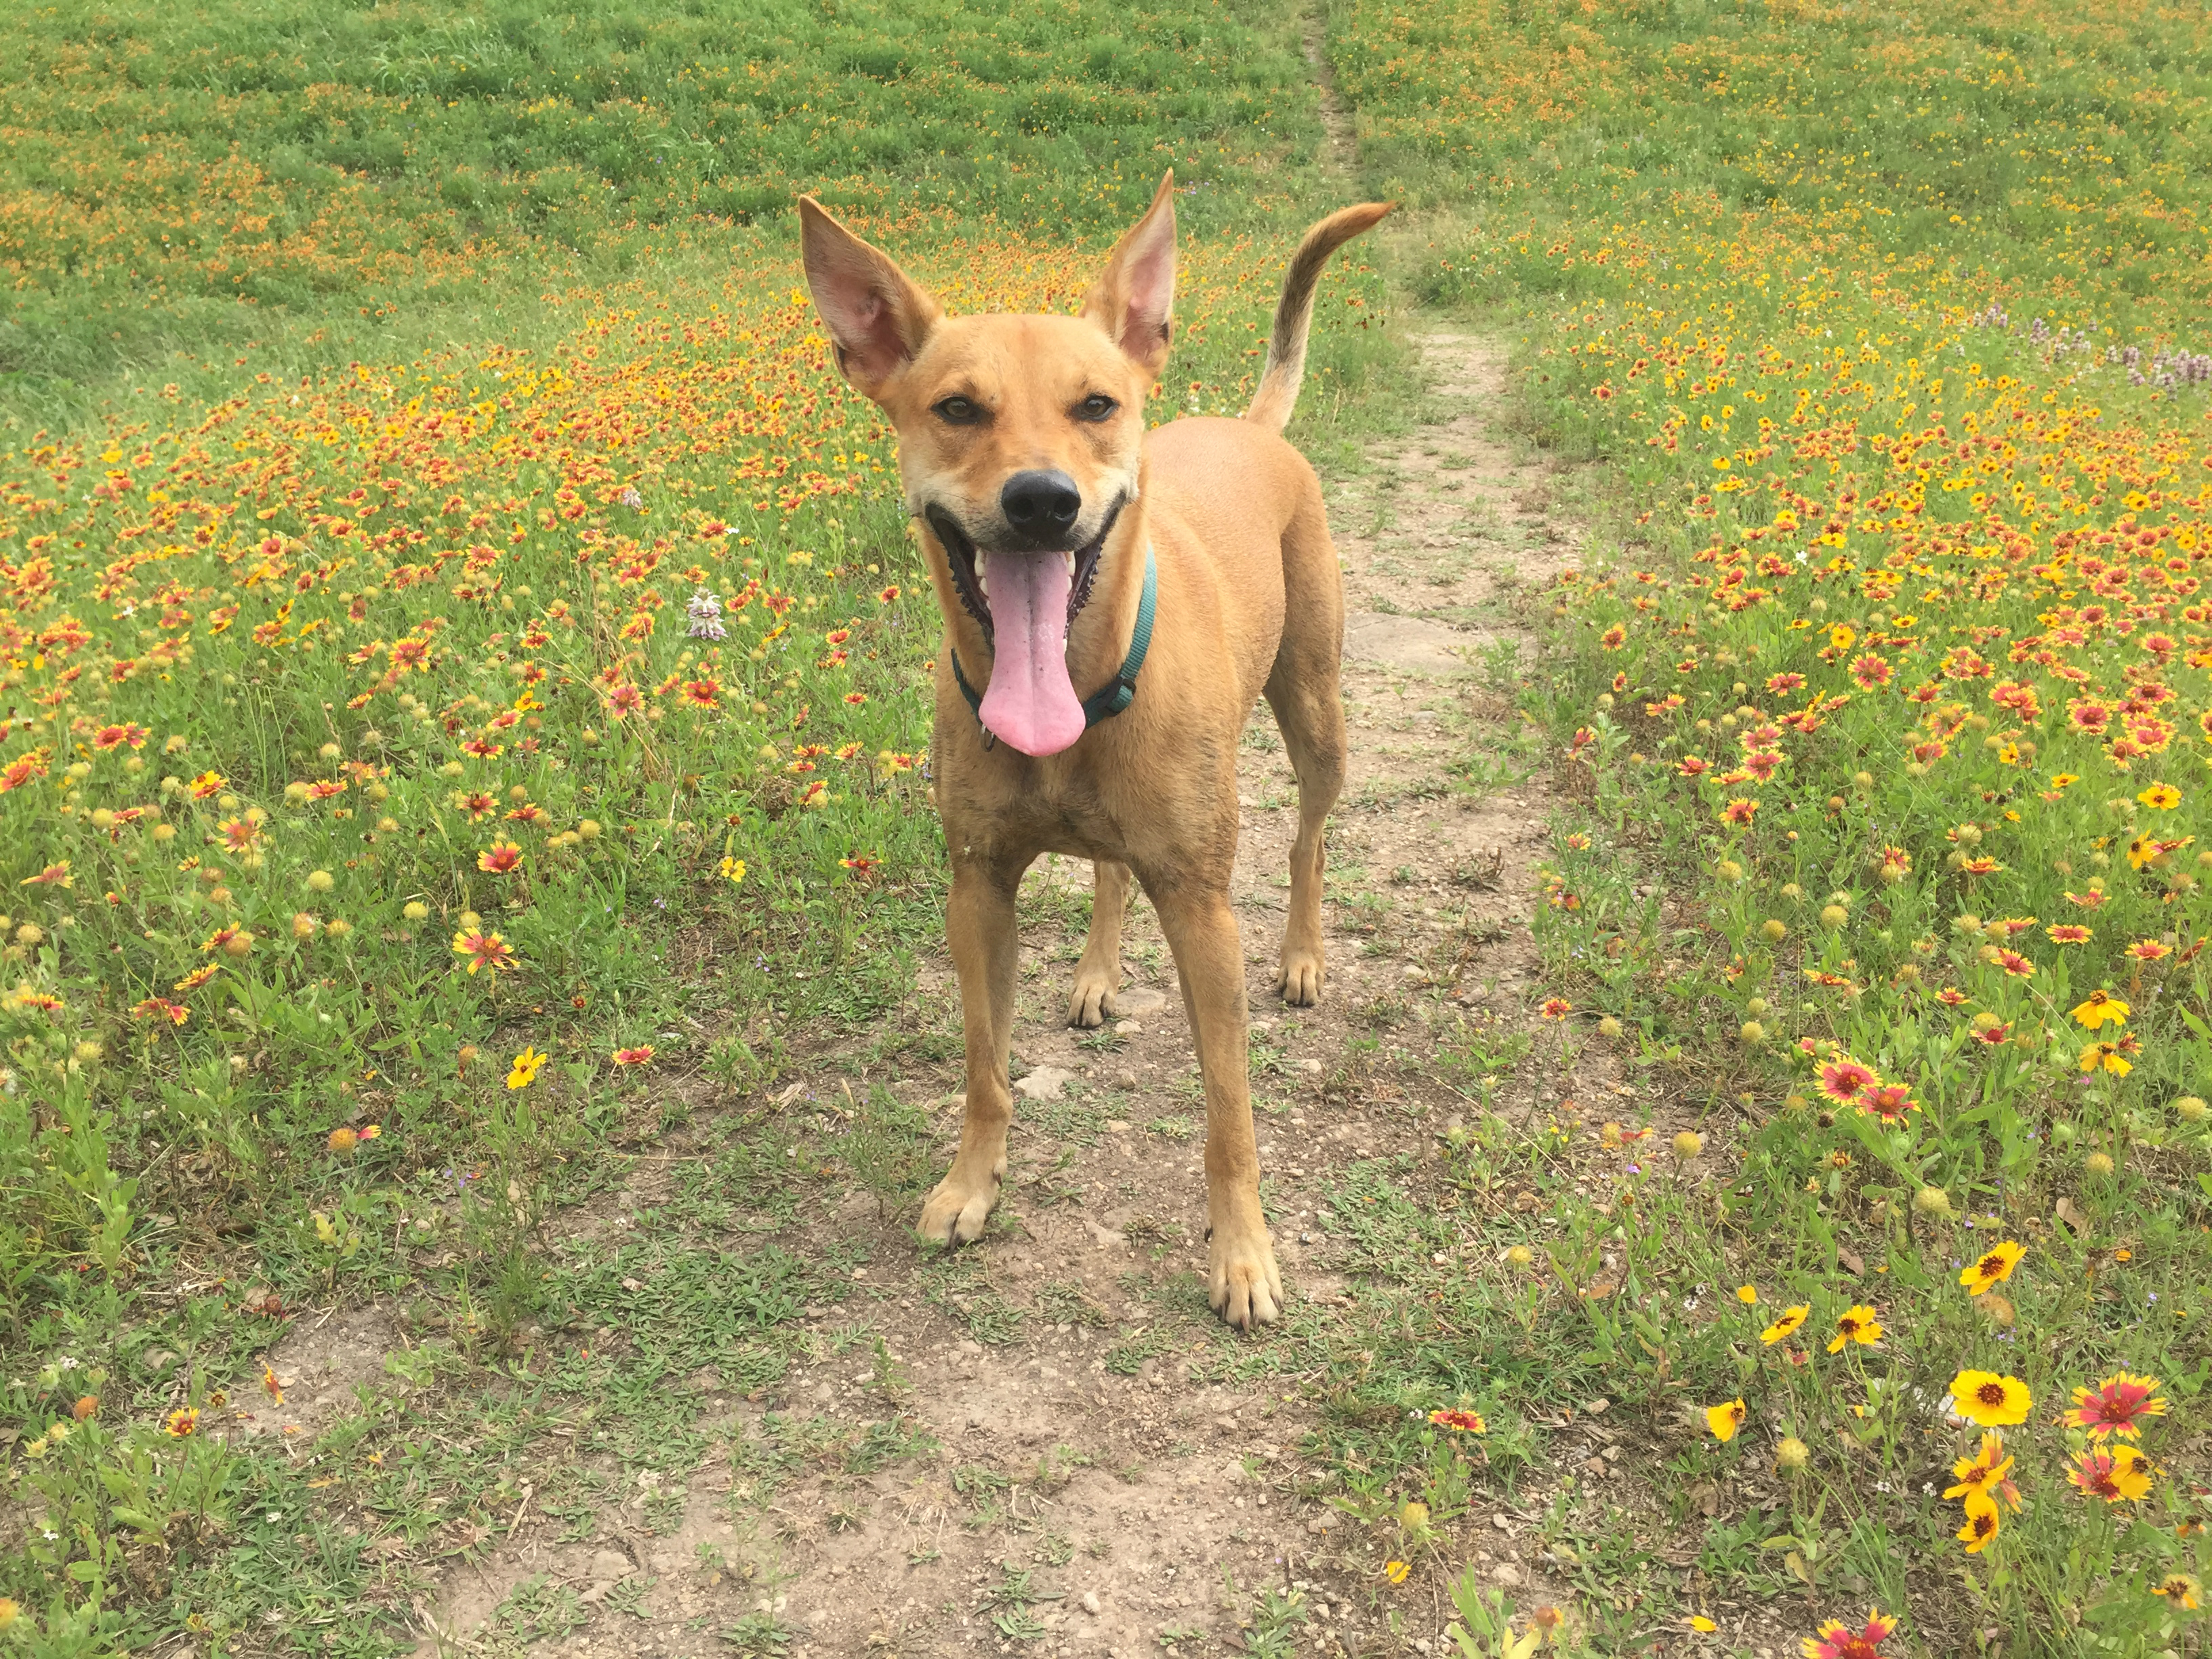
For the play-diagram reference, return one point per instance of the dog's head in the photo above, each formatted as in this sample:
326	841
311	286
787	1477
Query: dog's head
1020	440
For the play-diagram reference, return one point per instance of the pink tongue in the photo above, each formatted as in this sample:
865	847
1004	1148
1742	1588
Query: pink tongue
1031	703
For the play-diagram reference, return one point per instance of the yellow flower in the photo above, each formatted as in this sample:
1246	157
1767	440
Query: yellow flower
2178	1588
1395	1571
1982	1525
2107	1055
1724	1420
524	1071
733	871
1787	1324
1993	1402
1702	1624
1748	1294
1993	1267
1983	1473
1855	1324
2163	797
2101	1006
182	1424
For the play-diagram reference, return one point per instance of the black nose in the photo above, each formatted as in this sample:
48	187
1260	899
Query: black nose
1041	507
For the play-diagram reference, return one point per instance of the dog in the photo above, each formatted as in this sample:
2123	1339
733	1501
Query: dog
1114	602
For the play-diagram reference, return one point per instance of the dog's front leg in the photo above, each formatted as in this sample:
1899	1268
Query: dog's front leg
979	925
1243	1282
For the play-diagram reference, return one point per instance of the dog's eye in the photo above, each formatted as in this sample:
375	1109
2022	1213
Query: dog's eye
1097	407
959	411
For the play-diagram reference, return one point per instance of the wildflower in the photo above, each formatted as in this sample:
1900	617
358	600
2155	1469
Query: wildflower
1739	811
1702	1624
2161	797
637	1056
2148	949
86	1408
198	977
1991	1400
182	1423
2069	932
343	1139
2107	1055
1889	1102
704	615
1556	1008
1687	1145
208	784
524	1071
1787	1324
501	858
1987	1471
161	1008
1748	1294
1982	1523
1994	1266
2179	1588
272	1384
2120	1475
2015	964
2116	1406
10	1612
54	875
2102	1006
1395	1571
484	949
1465	1421
1791	1455
1843	1080
1855	1324
1723	1421
1837	1640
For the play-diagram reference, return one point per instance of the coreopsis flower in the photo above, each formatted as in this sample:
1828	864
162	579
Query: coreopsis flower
2118	1474
2116	1406
2108	1056
1723	1421
1858	1325
1991	1400
2161	797
2101	1008
1982	1523
1786	1325
1988	1472
1993	1267
525	1070
208	784
2180	1589
1837	1640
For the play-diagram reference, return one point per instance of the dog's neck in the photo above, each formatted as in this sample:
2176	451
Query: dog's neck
1099	639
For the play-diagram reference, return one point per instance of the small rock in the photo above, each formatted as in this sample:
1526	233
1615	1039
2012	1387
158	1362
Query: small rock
1312	1067
1125	1079
1119	1126
1413	971
1090	1602
1505	1575
1136	1004
1045	1083
1128	1028
608	1565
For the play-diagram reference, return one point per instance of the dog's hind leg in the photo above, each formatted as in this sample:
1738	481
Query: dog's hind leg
1098	975
979	926
1304	691
1242	1281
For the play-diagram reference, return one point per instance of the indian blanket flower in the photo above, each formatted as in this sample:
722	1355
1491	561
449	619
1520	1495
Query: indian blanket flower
2101	1008
1466	1422
1856	1324
1786	1324
1982	1524
1889	1102
637	1056
1843	1080
1988	1472
1837	1640
207	784
182	1424
484	949
54	875
1724	1420
501	858
1740	811
2069	932
2118	1474
2016	965
2180	1589
703	616
1556	1008
2148	949
2116	1406
1993	1267
1991	1400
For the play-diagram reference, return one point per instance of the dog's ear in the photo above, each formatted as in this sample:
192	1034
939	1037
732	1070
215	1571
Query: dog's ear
1134	300
878	316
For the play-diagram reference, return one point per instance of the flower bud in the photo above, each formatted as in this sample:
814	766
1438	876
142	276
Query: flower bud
1687	1145
1933	1202
1791	1455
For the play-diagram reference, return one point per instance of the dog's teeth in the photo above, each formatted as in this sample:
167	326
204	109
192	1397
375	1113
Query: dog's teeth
1070	557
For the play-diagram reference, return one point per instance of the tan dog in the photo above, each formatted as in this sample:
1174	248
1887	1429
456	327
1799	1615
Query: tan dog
1023	453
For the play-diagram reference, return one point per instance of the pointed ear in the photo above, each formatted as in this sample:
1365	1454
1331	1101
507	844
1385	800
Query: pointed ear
1134	300
878	316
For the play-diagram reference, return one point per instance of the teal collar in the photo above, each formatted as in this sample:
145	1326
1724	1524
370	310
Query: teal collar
1118	693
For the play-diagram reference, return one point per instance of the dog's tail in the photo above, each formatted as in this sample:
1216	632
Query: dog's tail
1287	348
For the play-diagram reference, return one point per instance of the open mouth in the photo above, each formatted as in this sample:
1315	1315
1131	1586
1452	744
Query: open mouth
1025	602
971	577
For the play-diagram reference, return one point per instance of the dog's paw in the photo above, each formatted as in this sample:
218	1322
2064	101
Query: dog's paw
1243	1285
1091	1004
1300	979
960	1208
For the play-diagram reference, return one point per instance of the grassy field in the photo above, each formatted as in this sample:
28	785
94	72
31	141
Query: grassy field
464	724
